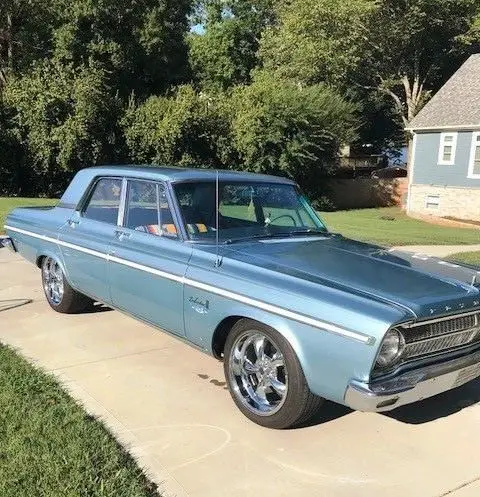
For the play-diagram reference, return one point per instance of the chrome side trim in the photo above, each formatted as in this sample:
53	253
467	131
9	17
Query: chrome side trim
280	311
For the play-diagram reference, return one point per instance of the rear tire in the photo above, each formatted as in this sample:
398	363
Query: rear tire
60	295
265	378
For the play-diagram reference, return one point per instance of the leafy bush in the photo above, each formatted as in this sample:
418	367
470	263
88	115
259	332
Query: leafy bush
278	126
182	129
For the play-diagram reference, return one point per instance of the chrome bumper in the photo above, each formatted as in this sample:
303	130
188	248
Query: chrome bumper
8	242
412	386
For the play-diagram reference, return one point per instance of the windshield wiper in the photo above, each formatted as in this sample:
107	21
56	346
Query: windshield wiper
285	234
306	232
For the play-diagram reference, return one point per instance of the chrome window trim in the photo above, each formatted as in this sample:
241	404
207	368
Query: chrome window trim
280	311
123	200
158	184
84	201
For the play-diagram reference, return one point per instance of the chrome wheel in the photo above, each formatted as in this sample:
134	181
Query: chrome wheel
258	374
52	281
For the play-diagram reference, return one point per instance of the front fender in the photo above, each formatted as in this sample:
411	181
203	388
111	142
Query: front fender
328	361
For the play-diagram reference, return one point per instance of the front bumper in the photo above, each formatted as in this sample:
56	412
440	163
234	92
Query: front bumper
412	386
7	242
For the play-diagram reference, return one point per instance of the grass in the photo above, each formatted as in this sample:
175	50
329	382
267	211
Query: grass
50	446
384	226
472	258
9	203
391	226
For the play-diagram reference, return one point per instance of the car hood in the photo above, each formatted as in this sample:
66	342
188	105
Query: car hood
426	286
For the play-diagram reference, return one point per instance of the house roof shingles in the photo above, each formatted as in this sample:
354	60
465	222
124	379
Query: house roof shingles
457	103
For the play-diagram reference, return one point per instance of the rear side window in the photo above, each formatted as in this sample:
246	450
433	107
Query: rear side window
104	201
147	209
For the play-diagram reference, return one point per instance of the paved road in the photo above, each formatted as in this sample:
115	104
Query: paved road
439	250
168	403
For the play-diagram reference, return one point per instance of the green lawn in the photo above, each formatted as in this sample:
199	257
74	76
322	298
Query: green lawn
371	225
50	446
9	203
472	258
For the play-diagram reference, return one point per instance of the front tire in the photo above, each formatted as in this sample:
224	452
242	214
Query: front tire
265	378
60	295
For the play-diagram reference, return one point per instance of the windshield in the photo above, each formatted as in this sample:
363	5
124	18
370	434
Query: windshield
246	210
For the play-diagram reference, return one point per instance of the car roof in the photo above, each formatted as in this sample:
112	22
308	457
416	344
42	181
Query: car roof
176	174
84	177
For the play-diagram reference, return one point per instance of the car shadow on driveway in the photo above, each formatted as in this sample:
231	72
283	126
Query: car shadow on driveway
329	411
6	305
440	406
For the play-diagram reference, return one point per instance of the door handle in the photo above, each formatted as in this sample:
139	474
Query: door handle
73	222
122	234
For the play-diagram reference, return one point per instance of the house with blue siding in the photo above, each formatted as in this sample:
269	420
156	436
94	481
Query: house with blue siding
444	172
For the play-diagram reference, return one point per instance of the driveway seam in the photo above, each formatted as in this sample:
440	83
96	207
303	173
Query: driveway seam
463	485
87	363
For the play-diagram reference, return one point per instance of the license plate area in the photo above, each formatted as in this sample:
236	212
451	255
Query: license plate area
467	375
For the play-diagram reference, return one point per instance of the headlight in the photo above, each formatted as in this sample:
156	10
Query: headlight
392	348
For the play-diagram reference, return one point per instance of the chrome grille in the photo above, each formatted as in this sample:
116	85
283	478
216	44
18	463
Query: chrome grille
436	336
444	327
437	344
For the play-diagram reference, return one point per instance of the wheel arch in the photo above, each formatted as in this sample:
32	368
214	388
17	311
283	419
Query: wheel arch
220	334
39	260
277	323
41	255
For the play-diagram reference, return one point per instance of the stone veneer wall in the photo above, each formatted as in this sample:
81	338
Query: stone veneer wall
461	203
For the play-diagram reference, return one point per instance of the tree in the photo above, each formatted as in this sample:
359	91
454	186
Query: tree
25	34
141	45
414	46
65	119
316	40
403	49
225	53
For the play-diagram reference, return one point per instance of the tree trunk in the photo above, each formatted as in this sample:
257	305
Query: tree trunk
9	41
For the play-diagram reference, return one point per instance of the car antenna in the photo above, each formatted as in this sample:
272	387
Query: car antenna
218	261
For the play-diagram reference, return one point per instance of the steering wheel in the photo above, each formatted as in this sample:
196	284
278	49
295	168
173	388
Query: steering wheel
280	217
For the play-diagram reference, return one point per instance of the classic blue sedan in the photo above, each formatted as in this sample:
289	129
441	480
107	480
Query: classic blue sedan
241	266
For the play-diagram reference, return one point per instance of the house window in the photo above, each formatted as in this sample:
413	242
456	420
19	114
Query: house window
432	201
474	165
448	147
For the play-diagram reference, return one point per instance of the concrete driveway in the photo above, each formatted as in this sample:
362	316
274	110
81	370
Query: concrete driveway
168	403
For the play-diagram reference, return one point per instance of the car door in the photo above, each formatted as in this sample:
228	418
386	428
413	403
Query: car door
148	259
87	236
